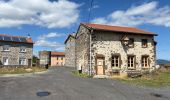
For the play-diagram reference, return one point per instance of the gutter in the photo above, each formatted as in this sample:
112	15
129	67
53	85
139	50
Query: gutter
90	67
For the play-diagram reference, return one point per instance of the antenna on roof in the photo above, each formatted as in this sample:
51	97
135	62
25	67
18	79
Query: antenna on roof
90	10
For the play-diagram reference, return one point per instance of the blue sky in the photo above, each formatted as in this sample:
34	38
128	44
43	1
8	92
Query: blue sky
50	21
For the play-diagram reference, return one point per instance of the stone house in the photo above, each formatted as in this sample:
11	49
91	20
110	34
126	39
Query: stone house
70	51
105	50
52	58
44	57
15	50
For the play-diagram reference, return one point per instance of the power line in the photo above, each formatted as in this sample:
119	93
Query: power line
90	10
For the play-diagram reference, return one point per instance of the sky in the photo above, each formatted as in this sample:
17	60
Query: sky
50	21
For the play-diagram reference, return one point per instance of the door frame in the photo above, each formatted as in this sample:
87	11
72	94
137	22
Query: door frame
100	56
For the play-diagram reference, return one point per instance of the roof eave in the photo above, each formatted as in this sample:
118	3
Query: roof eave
122	31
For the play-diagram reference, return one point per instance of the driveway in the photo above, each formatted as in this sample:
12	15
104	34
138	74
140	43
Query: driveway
64	86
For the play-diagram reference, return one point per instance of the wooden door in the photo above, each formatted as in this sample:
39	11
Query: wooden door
100	66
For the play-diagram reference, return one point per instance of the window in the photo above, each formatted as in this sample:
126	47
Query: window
145	61
5	60
115	61
131	62
22	49
144	43
6	48
22	61
131	42
57	58
61	58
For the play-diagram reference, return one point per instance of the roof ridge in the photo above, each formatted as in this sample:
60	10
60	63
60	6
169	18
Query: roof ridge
114	26
118	28
13	36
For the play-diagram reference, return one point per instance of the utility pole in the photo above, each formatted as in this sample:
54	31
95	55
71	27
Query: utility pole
91	31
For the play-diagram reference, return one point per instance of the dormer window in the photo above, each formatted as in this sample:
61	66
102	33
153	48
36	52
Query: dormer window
6	48
144	43
23	49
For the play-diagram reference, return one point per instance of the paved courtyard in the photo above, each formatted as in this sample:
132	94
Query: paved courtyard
62	85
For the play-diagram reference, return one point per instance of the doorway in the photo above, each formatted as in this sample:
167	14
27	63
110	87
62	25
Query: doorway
100	65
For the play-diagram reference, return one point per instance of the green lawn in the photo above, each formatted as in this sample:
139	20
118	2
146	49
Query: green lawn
76	73
21	70
160	80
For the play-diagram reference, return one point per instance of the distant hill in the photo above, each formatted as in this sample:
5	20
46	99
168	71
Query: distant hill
162	61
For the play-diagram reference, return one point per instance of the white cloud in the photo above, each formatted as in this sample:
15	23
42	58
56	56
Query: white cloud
56	14
147	13
94	7
45	41
50	35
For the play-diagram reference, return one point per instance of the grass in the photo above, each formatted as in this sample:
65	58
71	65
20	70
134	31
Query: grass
84	75
21	70
162	79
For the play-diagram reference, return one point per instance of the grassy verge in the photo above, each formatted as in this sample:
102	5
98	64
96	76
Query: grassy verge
21	70
76	73
160	80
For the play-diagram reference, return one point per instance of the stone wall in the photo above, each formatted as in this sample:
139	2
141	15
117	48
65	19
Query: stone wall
70	52
14	54
45	57
82	48
108	43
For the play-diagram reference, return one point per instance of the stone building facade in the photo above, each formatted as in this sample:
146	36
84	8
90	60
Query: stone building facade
70	50
16	50
103	49
44	57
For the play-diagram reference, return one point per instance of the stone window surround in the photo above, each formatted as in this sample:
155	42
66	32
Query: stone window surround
119	60
144	43
3	60
148	61
22	49
22	59
134	62
6	48
131	43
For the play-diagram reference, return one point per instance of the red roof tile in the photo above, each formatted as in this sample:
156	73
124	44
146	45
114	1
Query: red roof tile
53	53
117	28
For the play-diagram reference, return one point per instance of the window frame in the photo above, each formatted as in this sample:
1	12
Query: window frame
146	62
144	43
134	60
131	45
21	48
61	58
21	59
114	63
3	60
4	47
